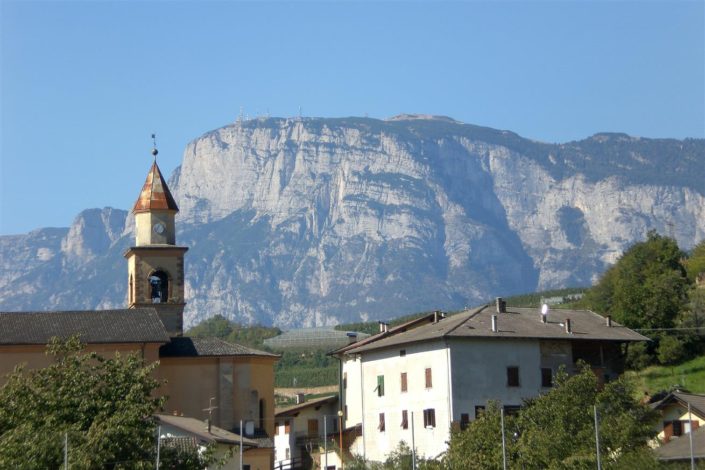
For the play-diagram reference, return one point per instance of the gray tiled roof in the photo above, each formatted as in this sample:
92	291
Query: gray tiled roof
293	409
519	323
186	346
696	401
200	429
139	325
679	448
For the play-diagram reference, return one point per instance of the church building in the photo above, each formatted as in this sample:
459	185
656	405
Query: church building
235	382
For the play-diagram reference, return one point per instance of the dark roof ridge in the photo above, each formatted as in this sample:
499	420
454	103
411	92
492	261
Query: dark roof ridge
379	336
470	316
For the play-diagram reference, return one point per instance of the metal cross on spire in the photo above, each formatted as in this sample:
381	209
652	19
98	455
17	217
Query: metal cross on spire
154	147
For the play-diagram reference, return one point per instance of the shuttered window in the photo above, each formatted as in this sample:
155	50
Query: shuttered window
429	378
381	426
312	428
380	386
546	377
464	421
403	382
404	419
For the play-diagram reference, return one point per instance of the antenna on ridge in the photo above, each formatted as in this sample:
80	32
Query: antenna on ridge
154	146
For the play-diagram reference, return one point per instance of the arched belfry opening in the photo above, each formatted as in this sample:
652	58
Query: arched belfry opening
159	287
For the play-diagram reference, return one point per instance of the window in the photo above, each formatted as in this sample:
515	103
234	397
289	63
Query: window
287	453
546	377
403	382
677	428
381	426
512	376
159	284
312	428
511	410
130	291
429	378
287	427
345	380
402	353
429	418
380	386
276	429
464	421
246	467
404	419
479	409
261	413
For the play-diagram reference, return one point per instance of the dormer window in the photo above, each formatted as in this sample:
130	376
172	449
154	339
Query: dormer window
159	283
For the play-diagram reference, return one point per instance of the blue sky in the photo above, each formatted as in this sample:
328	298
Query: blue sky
84	84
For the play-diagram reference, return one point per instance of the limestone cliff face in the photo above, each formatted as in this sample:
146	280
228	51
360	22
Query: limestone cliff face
318	221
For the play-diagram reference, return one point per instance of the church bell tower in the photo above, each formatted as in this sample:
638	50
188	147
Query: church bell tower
155	264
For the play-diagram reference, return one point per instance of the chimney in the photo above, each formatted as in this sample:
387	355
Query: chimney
352	337
438	316
544	313
568	327
383	327
608	320
501	305
300	398
494	323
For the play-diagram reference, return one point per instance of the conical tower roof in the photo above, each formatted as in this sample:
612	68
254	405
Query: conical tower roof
155	193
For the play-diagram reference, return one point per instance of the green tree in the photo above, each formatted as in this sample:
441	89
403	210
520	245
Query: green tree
556	430
695	264
480	445
646	288
104	406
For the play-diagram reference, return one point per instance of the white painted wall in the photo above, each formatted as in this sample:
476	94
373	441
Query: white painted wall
429	442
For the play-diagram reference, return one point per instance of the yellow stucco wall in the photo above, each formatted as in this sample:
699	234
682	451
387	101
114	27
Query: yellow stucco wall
34	356
675	412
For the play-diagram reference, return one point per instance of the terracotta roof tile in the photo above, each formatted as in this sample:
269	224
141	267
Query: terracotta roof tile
155	193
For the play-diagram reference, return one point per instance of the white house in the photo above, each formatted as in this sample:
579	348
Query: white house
300	431
413	382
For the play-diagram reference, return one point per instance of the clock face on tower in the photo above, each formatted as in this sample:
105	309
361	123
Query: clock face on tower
159	228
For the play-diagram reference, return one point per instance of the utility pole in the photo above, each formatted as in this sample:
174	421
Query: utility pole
690	435
159	445
413	444
240	444
504	443
597	439
66	450
325	440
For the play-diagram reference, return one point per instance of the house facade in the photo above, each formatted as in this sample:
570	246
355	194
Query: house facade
676	420
300	432
415	382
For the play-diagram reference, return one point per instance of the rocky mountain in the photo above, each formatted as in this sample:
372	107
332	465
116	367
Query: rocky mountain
318	221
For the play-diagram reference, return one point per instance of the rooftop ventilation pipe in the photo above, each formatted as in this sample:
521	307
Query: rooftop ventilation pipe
352	337
501	305
608	320
383	327
568	326
300	398
544	313
494	323
438	316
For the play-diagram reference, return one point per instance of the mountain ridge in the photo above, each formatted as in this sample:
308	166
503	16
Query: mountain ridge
316	221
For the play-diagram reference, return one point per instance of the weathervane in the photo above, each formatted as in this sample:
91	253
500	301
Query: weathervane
154	147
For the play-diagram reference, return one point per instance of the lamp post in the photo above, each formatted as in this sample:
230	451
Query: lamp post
340	427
